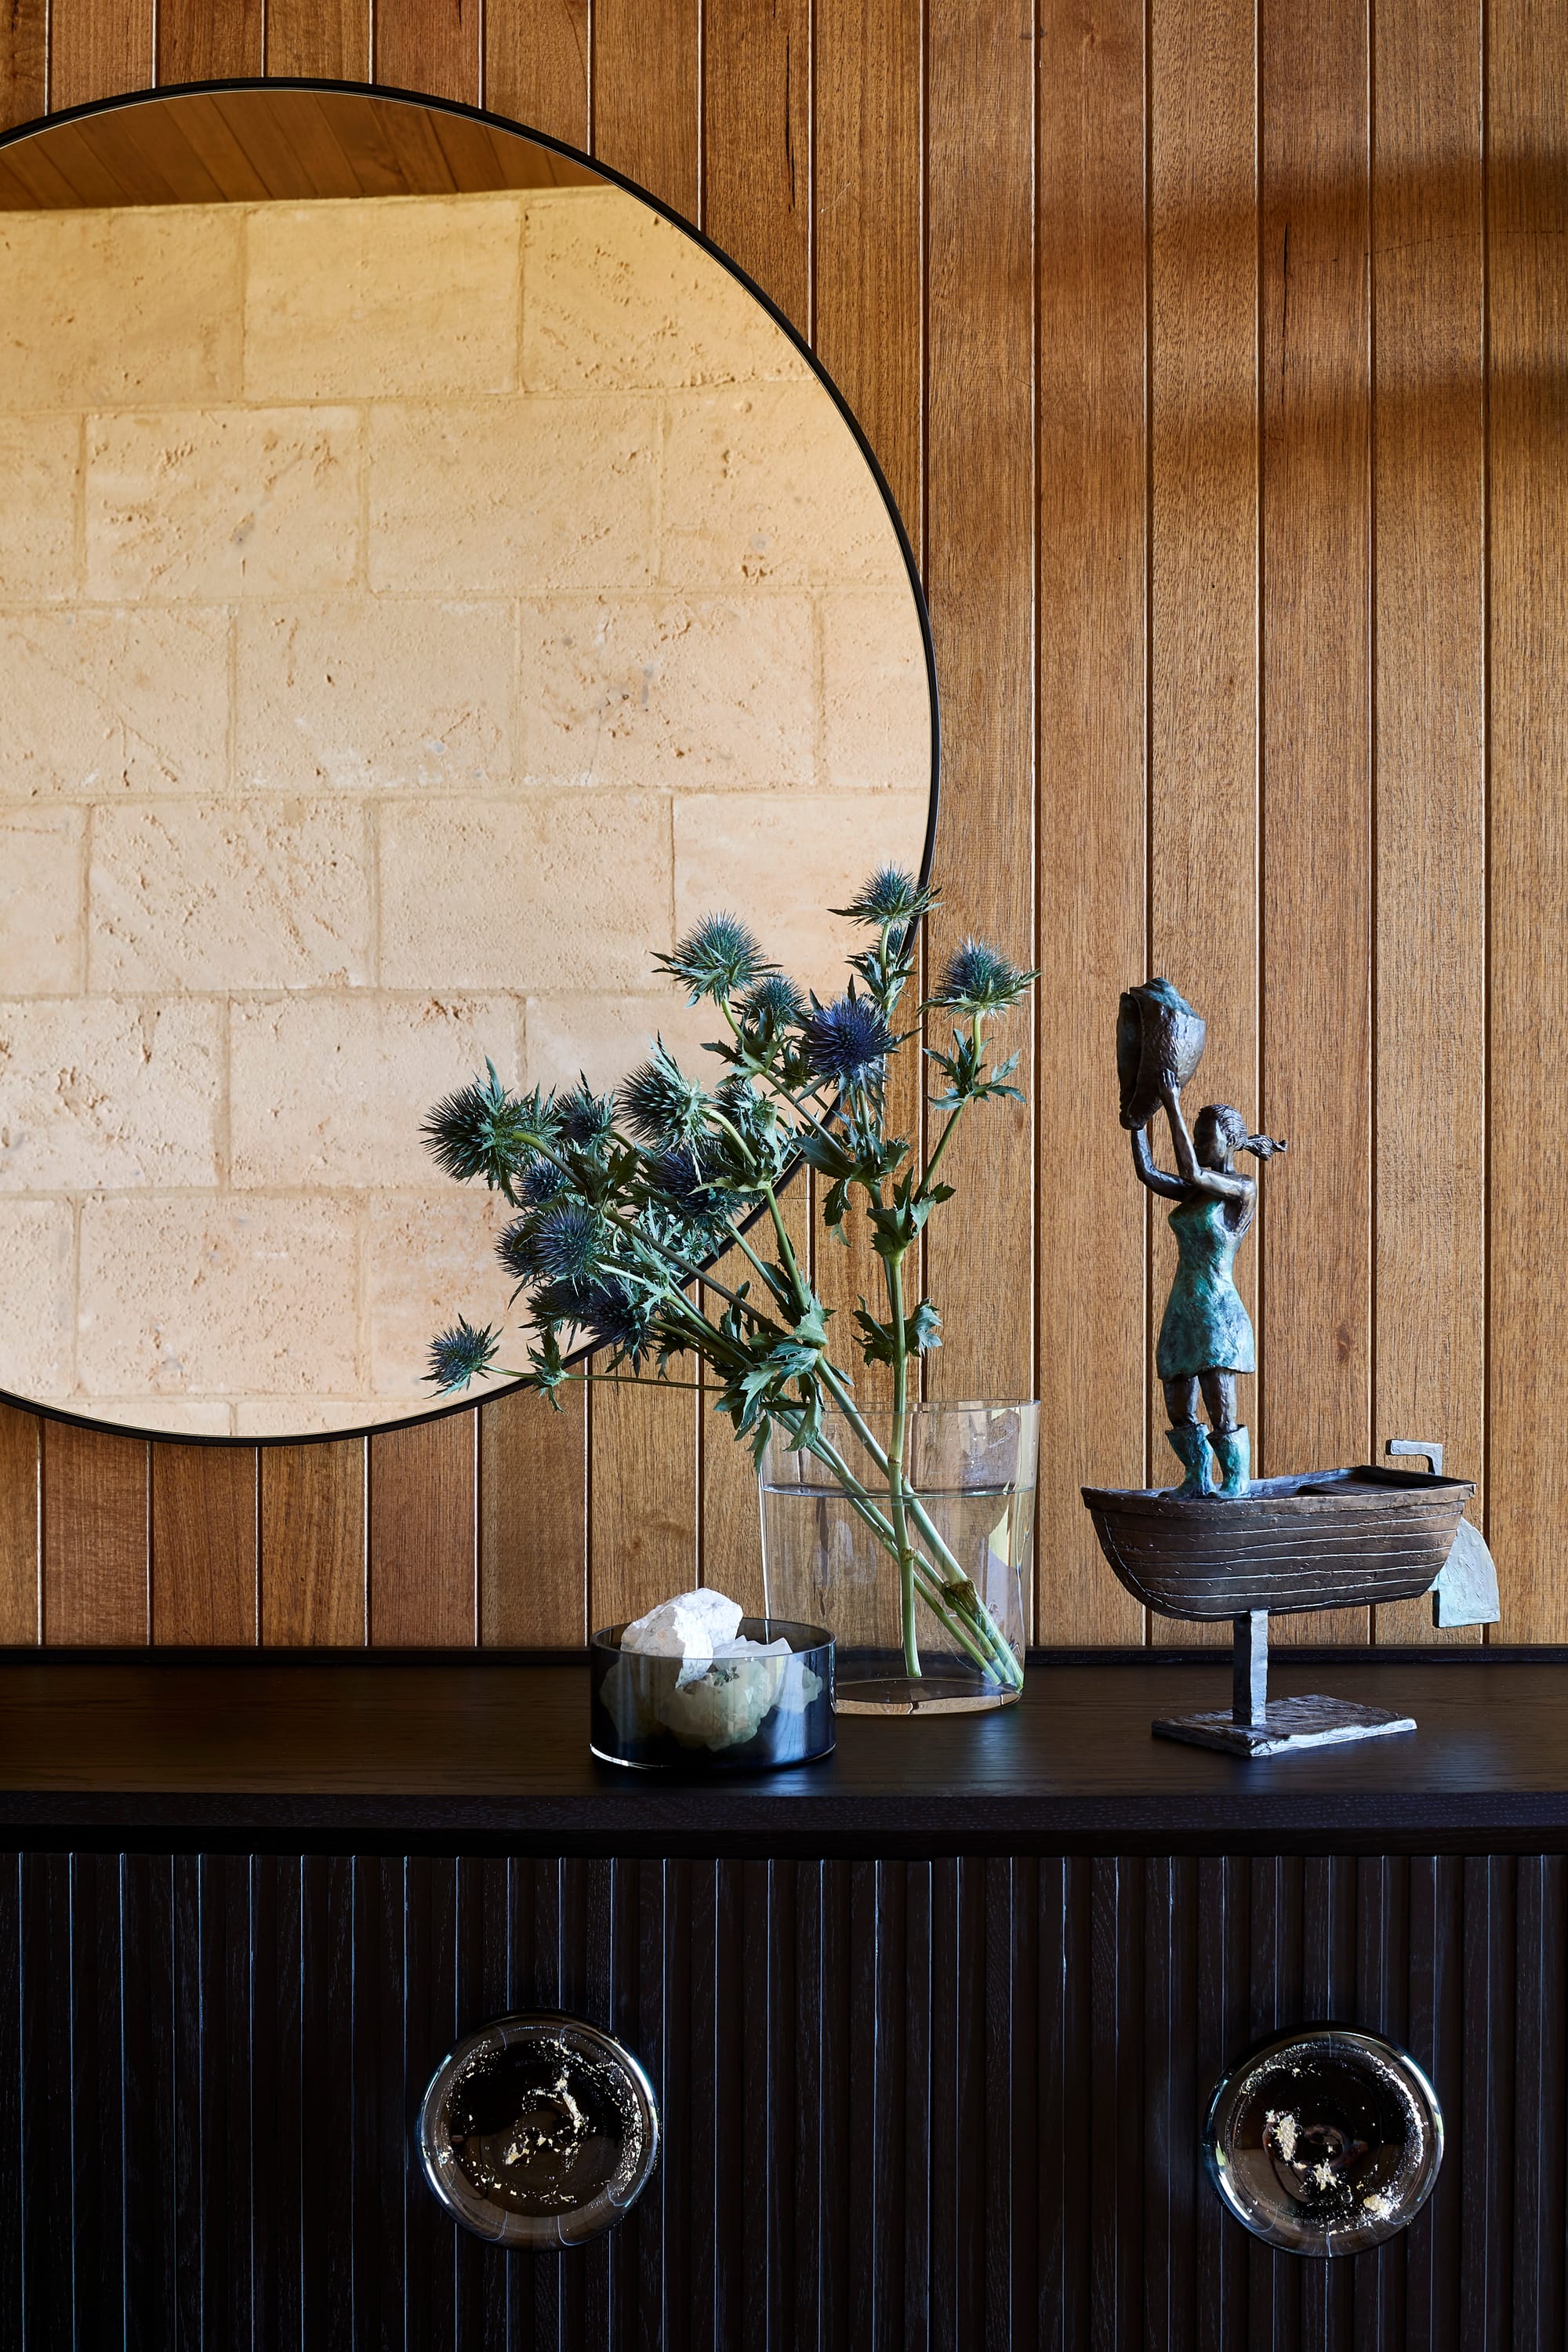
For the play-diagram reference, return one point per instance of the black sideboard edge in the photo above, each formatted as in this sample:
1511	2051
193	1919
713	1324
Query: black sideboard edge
184	1656
258	1753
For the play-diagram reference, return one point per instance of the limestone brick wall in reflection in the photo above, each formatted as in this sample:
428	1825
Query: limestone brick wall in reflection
410	612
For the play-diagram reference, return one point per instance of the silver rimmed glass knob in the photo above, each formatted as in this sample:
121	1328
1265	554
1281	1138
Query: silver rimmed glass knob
1324	2141
539	2130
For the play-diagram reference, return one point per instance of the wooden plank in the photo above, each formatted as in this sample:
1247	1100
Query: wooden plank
1202	787
756	57
1429	506
645	102
868	310
424	1534
327	37
314	1544
95	1536
20	1452
536	65
980	576
24	62
430	45
205	1543
1314	1227
643	1541
1093	1355
98	48
196	42
866	206
533	1522
757	208
1528	1372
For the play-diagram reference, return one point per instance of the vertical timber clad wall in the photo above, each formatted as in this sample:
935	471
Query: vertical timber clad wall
1218	353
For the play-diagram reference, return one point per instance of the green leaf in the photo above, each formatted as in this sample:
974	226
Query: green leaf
922	1327
876	1338
811	1329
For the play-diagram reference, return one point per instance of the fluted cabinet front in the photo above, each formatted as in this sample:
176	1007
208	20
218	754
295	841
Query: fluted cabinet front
906	2104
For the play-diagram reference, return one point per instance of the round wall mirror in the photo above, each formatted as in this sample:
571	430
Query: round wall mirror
433	577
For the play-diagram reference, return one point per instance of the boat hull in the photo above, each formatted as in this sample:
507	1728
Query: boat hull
1321	1539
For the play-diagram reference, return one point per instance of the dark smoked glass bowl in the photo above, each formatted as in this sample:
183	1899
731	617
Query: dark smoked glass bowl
742	1714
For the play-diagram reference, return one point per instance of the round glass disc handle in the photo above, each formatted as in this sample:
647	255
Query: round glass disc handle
539	2130
1324	2141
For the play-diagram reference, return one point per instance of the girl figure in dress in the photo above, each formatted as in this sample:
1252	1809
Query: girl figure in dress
1205	1338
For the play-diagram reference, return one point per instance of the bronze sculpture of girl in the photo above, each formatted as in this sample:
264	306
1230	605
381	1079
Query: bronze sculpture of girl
1205	1337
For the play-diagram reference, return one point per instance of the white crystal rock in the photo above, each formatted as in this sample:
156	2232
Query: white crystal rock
689	1628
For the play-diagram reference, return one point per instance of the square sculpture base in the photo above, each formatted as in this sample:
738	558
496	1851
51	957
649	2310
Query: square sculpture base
1287	1724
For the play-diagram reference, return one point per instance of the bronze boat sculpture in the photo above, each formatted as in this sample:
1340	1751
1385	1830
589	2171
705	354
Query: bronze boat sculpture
1324	1539
1222	1544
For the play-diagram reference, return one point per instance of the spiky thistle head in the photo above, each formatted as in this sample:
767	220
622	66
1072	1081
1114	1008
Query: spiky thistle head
975	979
659	1103
608	1313
537	1182
719	959
563	1242
891	895
483	1130
771	1003
461	1354
569	1241
678	1182
847	1042
517	1251
584	1117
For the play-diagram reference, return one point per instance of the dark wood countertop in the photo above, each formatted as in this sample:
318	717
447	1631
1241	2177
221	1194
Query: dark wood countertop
480	1754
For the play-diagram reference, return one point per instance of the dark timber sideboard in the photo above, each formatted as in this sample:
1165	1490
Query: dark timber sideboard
932	2026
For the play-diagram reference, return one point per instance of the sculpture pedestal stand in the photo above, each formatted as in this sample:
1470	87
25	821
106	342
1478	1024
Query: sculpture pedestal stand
1253	1727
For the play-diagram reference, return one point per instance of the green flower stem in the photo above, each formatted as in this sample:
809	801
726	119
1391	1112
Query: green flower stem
945	1138
802	1290
894	1267
743	1245
930	1586
1004	1662
804	1297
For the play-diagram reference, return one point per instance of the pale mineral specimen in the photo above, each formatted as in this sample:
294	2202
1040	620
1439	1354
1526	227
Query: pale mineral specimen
689	1627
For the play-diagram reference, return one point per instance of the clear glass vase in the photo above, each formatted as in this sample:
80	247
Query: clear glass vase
921	1569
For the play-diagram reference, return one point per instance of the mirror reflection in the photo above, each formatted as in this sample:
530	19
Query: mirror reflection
431	580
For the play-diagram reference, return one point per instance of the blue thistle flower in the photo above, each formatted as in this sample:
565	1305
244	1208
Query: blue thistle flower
659	1103
518	1251
847	1042
717	959
771	1004
538	1182
461	1354
568	1242
608	1313
483	1130
555	1303
616	1316
891	895
585	1117
977	980
562	1243
680	1181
